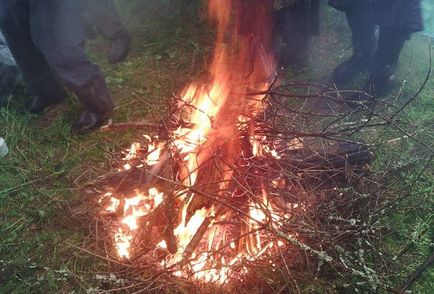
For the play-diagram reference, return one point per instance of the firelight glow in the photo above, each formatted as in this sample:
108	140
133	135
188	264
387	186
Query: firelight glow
215	113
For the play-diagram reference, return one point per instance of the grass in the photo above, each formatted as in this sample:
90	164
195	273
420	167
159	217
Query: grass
47	167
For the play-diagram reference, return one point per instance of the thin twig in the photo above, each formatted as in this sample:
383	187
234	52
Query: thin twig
123	126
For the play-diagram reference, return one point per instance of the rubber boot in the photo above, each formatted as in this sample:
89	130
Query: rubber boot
382	72
98	106
364	43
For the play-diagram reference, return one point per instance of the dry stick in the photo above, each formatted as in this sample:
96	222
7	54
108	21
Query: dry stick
127	126
321	254
397	201
198	237
195	241
425	265
294	239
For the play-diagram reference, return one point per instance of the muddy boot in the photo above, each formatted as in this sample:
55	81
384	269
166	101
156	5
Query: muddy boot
364	47
98	106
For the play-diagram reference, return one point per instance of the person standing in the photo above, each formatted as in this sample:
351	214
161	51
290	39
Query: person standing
376	53
295	22
101	16
46	39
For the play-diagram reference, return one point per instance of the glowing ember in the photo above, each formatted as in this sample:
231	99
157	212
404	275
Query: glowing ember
133	209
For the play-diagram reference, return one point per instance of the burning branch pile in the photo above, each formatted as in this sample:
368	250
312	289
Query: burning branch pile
236	176
210	202
216	189
211	196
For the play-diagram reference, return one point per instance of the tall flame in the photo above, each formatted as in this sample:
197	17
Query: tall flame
242	64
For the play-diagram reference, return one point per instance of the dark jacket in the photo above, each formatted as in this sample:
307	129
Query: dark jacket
404	14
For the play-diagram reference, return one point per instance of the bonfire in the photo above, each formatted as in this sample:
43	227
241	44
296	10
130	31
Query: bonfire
212	193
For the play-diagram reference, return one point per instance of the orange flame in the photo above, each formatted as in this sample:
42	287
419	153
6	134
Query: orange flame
215	112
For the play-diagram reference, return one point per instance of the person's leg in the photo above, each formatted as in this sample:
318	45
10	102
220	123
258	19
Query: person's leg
41	84
296	34
390	44
364	44
279	22
57	31
397	19
102	15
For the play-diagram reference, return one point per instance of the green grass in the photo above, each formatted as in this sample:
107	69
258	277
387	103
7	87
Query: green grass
409	228
47	167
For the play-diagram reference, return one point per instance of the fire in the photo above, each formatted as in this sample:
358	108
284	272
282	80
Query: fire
123	243
134	209
186	231
208	150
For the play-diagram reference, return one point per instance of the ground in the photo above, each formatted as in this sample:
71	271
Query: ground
47	167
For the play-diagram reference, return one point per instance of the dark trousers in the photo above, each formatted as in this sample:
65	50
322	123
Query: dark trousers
8	71
295	25
46	39
103	17
386	49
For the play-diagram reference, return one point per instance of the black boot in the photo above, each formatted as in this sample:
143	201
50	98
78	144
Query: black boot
360	61
38	104
98	106
120	47
364	43
380	81
382	73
